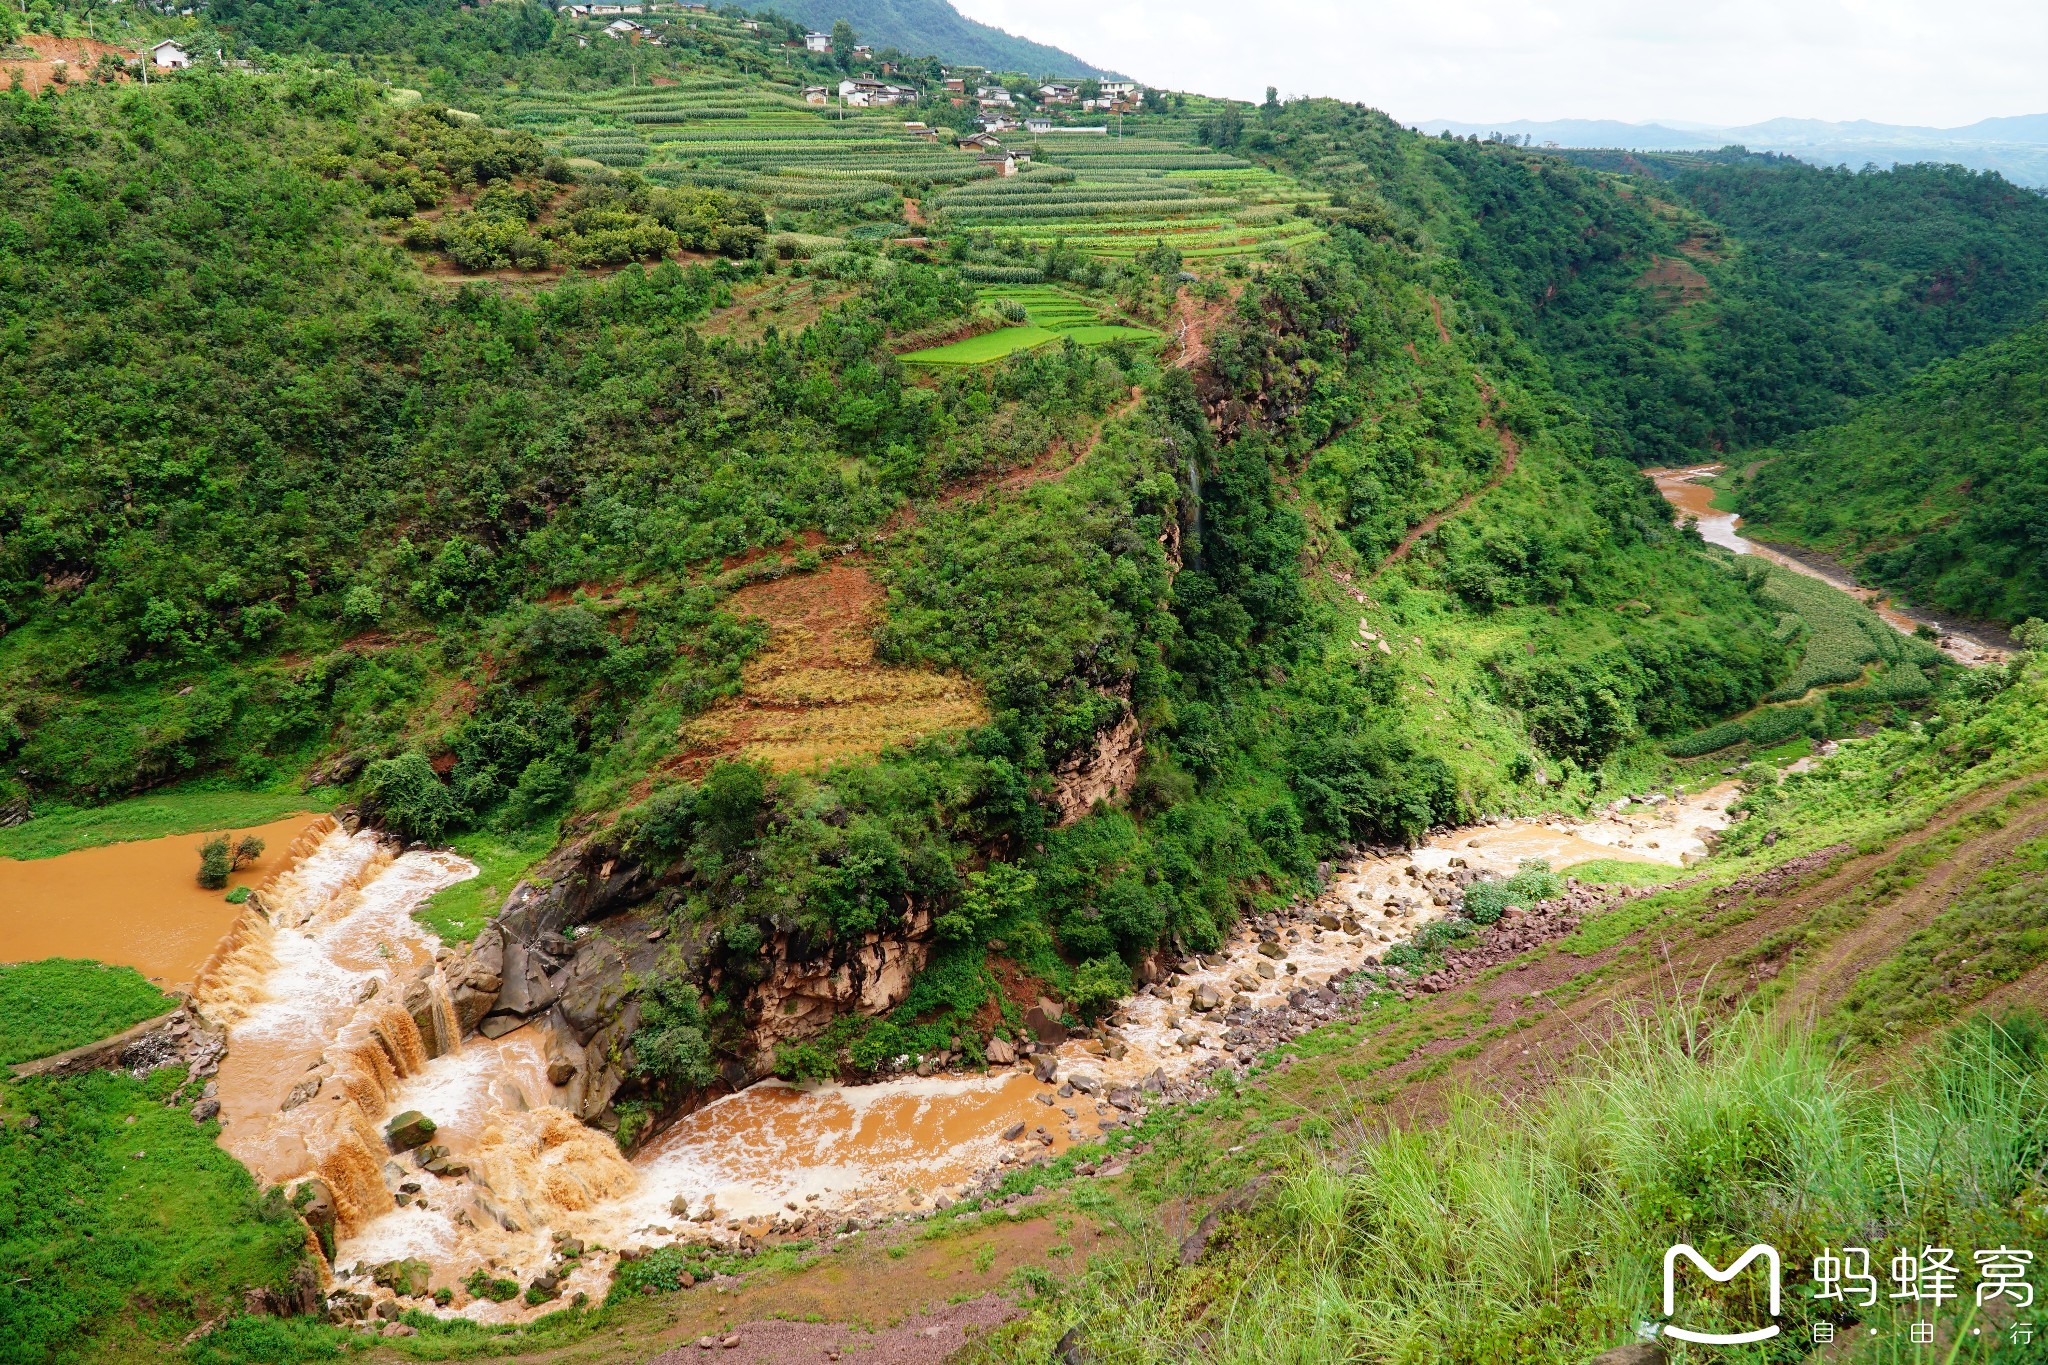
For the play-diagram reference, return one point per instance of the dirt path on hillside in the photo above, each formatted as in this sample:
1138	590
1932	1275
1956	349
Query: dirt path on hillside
1825	982
1510	456
1199	320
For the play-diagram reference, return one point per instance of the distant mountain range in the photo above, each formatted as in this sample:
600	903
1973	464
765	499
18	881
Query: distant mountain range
2016	147
934	27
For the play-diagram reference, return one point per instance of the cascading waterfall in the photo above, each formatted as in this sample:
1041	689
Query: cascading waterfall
339	1015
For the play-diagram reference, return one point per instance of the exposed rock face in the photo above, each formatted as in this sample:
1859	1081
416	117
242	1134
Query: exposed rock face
474	977
810	985
571	942
1106	774
422	1003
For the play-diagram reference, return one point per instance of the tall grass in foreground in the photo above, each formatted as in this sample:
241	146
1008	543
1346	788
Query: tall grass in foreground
1536	1232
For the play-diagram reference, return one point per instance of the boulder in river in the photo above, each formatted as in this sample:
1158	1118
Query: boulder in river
303	1091
474	978
1044	1024
1207	997
409	1279
1045	1066
1000	1053
1272	948
419	1002
409	1130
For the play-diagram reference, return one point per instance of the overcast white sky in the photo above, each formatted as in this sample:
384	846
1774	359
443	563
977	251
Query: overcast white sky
1725	62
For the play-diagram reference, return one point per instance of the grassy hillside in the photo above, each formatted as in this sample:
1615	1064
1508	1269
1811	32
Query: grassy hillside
1835	1026
478	553
1937	489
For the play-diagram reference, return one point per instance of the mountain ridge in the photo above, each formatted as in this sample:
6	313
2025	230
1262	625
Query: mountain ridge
2016	146
919	27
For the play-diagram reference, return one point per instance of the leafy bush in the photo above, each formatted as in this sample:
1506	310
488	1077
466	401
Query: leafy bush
1486	901
410	797
670	1044
215	862
482	1285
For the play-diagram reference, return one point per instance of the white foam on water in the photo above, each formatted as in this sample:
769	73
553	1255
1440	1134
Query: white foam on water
826	1149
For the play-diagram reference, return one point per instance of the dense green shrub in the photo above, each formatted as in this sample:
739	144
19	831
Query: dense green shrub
670	1044
1486	900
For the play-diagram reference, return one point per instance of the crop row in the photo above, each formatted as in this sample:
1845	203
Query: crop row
1001	193
1005	212
1161	162
1842	635
679	115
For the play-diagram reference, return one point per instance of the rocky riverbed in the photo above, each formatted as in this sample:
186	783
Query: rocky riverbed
455	1165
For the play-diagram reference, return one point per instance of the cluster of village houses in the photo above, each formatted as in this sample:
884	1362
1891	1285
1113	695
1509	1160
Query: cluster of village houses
997	103
999	109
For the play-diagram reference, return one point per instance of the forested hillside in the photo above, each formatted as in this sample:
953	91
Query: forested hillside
919	27
1719	309
281	509
1939	489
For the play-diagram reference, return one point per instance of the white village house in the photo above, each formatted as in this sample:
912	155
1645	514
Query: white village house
168	55
861	93
818	42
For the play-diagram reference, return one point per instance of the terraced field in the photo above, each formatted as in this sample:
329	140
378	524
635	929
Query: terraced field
1110	196
1049	314
1114	197
732	134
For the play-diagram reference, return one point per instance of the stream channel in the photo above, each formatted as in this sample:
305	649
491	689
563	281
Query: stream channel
1691	497
338	1018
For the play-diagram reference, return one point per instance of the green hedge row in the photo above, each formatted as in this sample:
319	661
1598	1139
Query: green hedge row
1003	274
1762	730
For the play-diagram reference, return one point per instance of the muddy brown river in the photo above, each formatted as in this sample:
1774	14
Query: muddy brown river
337	1018
323	1050
1689	495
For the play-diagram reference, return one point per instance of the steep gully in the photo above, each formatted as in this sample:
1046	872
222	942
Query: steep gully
341	1011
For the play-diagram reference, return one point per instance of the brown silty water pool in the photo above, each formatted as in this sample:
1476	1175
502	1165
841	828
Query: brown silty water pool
138	904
